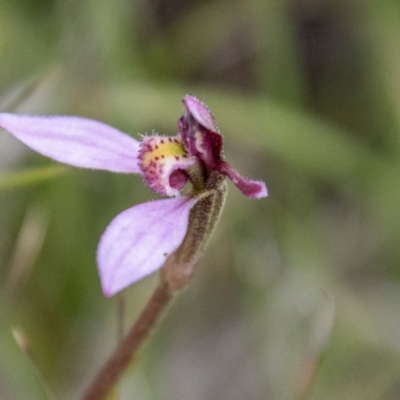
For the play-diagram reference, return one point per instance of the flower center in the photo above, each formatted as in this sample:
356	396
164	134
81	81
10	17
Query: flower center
160	150
163	161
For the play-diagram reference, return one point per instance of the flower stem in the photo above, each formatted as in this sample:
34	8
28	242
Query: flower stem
175	275
123	354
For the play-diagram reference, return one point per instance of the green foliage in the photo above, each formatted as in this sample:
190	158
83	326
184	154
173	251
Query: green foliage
298	295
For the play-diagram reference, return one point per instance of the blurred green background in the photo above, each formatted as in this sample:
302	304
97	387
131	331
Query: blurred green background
298	295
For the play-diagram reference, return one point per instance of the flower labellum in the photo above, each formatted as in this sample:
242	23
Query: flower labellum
160	233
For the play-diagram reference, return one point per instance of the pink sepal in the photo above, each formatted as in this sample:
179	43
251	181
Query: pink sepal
137	241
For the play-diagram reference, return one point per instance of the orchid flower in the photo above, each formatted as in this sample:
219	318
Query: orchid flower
139	240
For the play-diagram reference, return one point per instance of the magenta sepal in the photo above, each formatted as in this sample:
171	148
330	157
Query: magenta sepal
200	112
250	188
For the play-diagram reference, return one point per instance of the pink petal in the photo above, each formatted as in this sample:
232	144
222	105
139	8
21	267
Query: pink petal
200	112
76	141
137	241
252	189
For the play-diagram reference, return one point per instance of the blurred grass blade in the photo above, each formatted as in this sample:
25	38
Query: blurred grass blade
29	243
23	344
121	312
308	373
19	179
23	95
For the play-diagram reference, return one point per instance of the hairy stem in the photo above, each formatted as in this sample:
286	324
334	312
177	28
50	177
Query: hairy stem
122	356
